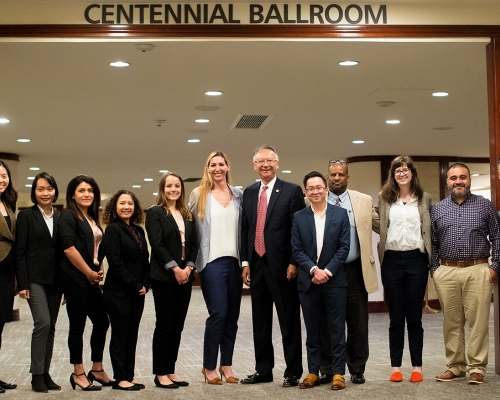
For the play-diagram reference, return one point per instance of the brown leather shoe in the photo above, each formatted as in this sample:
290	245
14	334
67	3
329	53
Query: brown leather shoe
338	382
449	376
309	381
476	378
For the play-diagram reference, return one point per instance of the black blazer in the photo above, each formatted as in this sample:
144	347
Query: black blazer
286	199
336	243
166	246
36	250
128	264
77	232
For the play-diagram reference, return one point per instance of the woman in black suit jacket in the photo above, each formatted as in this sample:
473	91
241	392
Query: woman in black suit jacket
127	281
37	270
8	201
174	247
80	236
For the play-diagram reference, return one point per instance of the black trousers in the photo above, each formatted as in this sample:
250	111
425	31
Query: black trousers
265	290
125	313
83	302
357	350
171	306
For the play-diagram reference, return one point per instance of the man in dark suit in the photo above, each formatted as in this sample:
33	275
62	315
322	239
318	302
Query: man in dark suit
320	243
266	254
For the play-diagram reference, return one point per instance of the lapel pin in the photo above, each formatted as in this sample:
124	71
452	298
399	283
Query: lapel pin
277	190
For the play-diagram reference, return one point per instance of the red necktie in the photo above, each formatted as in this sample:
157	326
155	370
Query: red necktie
260	246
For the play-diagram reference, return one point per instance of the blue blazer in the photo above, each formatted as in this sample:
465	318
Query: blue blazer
335	245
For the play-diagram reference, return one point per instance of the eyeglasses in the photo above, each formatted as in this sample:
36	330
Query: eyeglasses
402	171
318	189
337	162
262	162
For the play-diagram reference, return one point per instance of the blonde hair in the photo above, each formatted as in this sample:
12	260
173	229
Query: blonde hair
180	204
207	184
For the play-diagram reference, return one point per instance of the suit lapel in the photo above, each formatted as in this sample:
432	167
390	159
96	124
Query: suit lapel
312	225
39	218
274	197
4	228
55	230
171	220
89	236
355	204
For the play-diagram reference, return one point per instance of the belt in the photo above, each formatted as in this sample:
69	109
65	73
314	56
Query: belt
464	263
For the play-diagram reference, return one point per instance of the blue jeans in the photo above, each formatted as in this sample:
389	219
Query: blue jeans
221	285
404	276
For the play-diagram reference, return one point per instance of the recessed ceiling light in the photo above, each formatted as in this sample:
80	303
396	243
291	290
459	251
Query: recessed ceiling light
119	64
440	94
4	121
202	120
163	171
475	174
213	93
148	179
155	194
257	180
348	63
34	168
23	140
193	140
136	186
239	187
392	121
28	185
31	178
286	171
358	141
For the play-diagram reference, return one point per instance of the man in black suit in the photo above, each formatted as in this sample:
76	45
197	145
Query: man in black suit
267	258
320	243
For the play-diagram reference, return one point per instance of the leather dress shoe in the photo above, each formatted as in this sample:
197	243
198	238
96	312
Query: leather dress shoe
325	378
51	385
309	381
358	378
290	381
449	376
338	382
476	378
7	386
256	378
133	387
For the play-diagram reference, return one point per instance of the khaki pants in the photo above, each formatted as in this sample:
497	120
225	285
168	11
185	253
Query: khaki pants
465	296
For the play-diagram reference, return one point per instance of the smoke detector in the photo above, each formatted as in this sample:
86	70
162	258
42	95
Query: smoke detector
144	47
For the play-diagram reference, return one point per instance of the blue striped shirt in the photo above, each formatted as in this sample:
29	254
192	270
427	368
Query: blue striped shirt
466	231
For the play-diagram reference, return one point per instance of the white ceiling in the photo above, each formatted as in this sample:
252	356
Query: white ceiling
83	116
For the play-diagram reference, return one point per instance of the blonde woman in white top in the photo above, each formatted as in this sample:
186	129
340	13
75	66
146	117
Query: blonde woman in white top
216	207
403	221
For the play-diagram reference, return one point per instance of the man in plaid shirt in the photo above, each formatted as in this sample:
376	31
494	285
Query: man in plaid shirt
465	227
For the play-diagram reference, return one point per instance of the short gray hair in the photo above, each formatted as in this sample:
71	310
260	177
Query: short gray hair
265	147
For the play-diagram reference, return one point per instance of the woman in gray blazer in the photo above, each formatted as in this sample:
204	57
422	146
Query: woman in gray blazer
217	207
403	222
37	269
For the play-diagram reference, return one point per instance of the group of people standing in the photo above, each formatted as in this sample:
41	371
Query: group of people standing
318	258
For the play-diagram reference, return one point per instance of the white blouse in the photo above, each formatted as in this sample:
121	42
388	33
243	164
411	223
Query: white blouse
223	230
404	232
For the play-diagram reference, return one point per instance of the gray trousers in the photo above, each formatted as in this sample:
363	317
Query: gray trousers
44	303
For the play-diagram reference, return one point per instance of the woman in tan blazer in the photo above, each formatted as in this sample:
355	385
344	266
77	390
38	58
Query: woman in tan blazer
8	200
403	222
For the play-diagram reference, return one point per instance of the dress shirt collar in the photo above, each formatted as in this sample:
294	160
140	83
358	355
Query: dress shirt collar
319	213
270	185
467	197
43	212
333	197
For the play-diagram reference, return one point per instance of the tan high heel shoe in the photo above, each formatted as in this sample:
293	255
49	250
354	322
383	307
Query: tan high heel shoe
229	379
215	381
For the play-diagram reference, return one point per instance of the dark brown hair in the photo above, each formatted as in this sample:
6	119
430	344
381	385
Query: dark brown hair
180	204
93	210
110	214
390	190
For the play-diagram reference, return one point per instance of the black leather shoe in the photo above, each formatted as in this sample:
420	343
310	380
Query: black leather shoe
358	378
51	385
133	387
37	384
256	378
325	378
290	381
161	385
7	386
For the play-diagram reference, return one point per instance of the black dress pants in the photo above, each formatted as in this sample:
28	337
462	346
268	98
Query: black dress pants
125	313
83	302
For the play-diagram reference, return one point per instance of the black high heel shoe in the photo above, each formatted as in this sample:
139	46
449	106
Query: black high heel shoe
92	378
88	388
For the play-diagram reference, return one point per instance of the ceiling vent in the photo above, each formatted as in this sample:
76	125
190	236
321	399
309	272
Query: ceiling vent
251	121
191	179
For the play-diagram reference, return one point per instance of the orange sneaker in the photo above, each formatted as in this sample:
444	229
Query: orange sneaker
416	377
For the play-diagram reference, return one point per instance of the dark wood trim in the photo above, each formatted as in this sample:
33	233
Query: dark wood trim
9	156
254	31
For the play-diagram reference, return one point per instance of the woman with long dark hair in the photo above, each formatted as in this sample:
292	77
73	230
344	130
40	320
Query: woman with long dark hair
172	236
403	221
80	236
37	270
217	208
127	282
8	201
